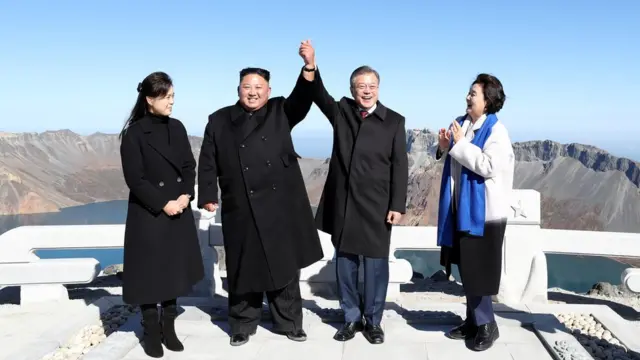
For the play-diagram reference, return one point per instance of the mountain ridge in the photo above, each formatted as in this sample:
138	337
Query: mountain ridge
582	186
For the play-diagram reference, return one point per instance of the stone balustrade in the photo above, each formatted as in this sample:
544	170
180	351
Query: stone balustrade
524	278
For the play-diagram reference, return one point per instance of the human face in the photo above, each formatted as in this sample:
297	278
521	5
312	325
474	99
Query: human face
162	105
365	90
254	92
476	103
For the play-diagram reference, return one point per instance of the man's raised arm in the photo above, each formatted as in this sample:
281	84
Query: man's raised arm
299	102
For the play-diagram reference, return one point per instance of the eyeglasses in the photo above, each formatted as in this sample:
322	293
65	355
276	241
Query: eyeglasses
362	87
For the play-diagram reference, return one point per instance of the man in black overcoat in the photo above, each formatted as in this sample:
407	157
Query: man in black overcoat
363	197
267	221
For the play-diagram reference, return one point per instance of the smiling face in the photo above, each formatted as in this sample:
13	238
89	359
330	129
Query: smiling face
162	105
253	92
364	90
476	103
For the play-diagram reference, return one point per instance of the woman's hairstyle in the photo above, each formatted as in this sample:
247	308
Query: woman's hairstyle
492	91
154	85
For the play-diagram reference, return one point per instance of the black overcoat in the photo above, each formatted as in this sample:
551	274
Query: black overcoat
368	174
162	258
267	221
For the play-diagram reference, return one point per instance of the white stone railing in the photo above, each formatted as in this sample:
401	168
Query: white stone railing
524	270
524	277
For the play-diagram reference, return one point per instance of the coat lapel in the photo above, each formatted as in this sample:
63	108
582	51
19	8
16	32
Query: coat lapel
159	143
244	123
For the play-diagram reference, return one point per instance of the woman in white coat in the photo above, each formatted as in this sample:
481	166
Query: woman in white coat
477	180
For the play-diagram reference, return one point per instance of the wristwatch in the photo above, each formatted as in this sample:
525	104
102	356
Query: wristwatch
308	70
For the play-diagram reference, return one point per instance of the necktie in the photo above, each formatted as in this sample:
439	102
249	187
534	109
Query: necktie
364	113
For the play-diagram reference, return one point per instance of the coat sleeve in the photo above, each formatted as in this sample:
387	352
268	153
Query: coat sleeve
134	177
207	167
488	161
299	102
188	166
399	169
325	102
441	155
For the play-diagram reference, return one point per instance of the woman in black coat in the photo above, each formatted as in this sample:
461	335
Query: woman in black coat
161	250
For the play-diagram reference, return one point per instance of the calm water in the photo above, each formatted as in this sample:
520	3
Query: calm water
568	272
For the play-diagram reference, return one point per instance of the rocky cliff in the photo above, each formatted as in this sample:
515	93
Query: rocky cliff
582	187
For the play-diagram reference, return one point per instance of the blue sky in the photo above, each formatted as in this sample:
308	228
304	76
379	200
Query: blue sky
569	67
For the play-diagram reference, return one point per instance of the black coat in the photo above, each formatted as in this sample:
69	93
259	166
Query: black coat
368	174
267	221
162	258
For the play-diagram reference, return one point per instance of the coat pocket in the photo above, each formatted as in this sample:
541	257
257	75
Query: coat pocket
290	157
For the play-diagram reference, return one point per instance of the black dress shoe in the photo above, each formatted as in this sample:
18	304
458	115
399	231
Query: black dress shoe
374	334
486	336
297	335
464	331
348	331
240	338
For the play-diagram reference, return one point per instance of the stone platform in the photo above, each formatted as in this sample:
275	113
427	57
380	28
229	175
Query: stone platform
413	331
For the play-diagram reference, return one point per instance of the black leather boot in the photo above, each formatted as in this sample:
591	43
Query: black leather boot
151	340
169	336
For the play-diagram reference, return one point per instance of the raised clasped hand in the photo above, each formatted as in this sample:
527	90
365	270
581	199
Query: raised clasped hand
307	53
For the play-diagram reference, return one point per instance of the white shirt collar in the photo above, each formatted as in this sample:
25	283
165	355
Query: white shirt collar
370	111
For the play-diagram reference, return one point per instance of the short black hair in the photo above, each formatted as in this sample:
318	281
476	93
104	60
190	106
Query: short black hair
364	69
492	91
254	70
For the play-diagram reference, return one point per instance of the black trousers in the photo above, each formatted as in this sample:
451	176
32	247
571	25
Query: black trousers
245	310
376	281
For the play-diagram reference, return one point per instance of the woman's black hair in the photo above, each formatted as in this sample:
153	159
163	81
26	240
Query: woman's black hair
493	92
154	85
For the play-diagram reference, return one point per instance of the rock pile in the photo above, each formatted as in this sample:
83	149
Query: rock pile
92	335
597	340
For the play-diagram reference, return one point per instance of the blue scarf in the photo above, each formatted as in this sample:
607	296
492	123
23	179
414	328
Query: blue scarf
470	216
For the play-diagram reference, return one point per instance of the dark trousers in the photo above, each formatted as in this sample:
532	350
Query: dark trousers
376	280
479	308
245	310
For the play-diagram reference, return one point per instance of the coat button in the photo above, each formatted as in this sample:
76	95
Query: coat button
250	192
268	163
246	168
161	183
264	138
242	145
179	179
273	186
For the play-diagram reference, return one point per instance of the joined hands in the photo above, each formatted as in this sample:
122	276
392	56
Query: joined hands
175	207
308	54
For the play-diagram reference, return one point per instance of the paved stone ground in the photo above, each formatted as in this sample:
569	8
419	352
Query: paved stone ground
208	339
21	325
413	331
